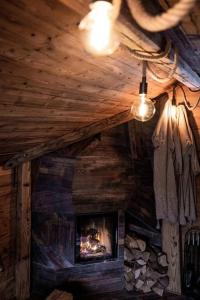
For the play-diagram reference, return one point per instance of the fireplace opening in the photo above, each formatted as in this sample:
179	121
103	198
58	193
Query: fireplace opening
96	237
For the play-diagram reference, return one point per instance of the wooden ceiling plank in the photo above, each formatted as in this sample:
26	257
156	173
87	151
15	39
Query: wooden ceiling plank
70	138
73	47
32	79
58	48
135	38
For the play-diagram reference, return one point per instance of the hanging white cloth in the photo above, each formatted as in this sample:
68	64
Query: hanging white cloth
175	166
190	168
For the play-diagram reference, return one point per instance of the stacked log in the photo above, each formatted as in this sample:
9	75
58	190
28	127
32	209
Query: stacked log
145	267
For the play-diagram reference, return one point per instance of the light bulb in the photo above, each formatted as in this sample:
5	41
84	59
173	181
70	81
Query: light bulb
172	111
143	109
98	33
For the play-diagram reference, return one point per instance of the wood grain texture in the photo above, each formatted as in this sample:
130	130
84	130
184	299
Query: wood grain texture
22	271
70	138
171	246
7	233
102	183
51	87
59	295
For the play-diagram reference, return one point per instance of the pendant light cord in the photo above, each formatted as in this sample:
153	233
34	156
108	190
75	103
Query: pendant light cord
171	73
190	108
149	58
173	97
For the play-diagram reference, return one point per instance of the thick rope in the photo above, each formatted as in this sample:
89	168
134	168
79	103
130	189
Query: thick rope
171	73
186	103
155	58
150	56
161	22
116	8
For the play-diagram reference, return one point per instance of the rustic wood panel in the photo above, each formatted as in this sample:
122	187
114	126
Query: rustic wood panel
102	182
104	176
171	242
23	243
70	138
7	233
49	85
142	203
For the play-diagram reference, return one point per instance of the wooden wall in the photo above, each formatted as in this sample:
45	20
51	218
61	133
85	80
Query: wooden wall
98	179
7	234
142	204
103	174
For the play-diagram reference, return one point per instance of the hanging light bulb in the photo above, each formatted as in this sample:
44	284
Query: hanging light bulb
98	32
143	109
173	108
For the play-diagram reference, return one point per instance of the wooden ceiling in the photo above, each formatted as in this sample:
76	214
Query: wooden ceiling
50	87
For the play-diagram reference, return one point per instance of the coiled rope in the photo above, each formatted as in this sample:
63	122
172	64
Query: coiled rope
185	100
171	73
149	58
161	22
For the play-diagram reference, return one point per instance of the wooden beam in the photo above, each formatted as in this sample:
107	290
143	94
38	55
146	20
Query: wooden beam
22	270
171	246
78	148
133	37
70	138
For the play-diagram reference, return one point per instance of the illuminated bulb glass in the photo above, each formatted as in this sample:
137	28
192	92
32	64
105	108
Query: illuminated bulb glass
98	33
143	109
173	111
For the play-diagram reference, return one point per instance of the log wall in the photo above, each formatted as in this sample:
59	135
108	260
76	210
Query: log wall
99	179
7	234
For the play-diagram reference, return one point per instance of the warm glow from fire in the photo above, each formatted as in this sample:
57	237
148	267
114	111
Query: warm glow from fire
92	244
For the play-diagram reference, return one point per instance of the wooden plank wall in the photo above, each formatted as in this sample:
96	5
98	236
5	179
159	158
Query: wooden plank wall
103	176
7	234
23	243
102	182
142	204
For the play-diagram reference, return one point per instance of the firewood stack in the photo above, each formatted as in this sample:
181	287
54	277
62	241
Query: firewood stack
145	267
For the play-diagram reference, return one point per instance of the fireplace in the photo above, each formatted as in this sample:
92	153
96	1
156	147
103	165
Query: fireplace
96	237
61	228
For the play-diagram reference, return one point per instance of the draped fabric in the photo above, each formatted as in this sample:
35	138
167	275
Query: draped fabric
175	166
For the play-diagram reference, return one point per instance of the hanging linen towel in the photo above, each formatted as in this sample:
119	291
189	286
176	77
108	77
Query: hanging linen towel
175	166
165	188
190	168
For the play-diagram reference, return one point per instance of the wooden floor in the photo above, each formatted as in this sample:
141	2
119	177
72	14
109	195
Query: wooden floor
132	296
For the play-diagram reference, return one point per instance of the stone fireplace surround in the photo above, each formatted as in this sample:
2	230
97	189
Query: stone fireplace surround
54	231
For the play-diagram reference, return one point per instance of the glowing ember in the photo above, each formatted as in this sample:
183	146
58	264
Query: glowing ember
91	245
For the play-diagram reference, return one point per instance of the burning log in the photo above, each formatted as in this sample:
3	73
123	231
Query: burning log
145	267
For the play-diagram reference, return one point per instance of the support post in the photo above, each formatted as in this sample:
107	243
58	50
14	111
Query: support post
171	246
22	271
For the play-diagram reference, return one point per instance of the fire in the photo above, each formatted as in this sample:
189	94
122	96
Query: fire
91	245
